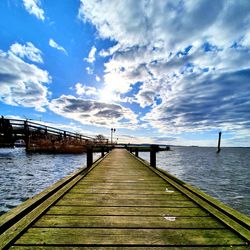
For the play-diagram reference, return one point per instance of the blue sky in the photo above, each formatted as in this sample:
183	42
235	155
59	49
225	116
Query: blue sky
174	72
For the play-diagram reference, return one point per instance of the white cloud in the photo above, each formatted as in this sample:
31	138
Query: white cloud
21	83
83	90
97	78
89	70
93	112
54	45
91	56
33	7
28	51
185	54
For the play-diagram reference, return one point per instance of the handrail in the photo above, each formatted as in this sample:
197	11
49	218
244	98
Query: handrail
21	122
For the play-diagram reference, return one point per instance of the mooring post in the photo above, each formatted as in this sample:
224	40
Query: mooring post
219	140
153	150
89	156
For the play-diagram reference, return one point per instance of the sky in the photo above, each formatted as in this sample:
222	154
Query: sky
168	72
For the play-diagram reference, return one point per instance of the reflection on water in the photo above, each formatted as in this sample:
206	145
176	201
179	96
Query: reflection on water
225	176
24	175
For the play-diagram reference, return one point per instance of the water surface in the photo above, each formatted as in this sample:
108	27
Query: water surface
224	176
24	175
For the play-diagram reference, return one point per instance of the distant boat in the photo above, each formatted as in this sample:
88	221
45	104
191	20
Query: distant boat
19	143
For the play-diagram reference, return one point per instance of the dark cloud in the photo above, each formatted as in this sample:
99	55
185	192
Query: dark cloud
212	102
92	112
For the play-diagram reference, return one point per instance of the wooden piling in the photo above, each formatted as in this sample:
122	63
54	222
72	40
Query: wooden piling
89	156
136	152
103	151
219	140
153	150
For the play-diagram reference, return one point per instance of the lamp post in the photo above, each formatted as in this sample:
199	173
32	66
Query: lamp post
112	131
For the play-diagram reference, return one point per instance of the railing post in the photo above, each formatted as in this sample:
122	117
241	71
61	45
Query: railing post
26	132
89	156
153	150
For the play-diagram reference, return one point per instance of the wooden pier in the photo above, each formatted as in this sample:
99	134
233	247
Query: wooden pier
121	202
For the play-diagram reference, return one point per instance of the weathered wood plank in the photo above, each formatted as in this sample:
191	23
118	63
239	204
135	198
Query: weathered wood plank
126	202
143	237
142	211
79	190
109	196
127	222
127	211
22	247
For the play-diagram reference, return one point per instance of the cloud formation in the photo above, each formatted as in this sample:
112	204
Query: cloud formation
55	45
83	90
91	56
28	51
191	59
22	83
34	8
93	112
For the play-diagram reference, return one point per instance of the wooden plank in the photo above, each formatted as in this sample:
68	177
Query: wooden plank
127	211
79	190
127	222
129	237
109	196
126	202
22	247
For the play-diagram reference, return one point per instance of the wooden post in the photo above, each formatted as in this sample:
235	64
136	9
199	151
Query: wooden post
103	153
153	149
136	152
89	156
219	140
26	133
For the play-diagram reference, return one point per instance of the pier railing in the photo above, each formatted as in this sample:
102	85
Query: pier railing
44	138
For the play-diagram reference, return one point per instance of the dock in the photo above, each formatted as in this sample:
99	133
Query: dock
121	202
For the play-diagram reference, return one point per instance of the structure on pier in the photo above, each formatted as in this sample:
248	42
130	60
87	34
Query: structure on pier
122	202
42	138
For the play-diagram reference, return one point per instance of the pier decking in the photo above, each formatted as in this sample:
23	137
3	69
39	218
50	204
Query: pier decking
120	202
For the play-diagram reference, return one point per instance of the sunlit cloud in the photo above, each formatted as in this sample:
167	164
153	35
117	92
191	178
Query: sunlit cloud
28	51
191	59
91	56
55	45
34	8
21	83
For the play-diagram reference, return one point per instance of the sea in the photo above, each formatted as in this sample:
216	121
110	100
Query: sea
224	176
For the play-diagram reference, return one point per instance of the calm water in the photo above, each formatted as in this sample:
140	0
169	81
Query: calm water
24	175
225	176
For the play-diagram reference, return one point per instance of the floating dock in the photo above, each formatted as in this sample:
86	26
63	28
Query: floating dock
121	202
